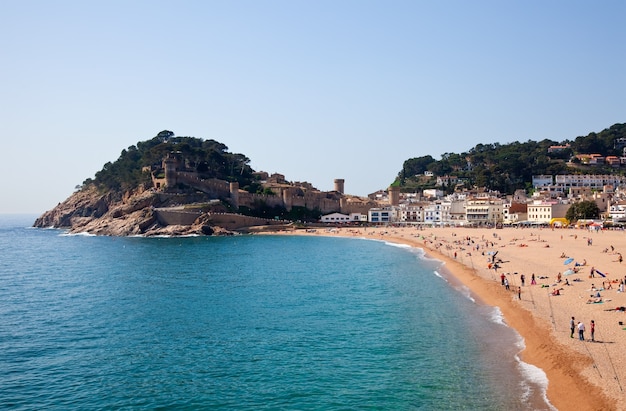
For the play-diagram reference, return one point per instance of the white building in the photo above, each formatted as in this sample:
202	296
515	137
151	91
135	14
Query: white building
358	217
617	211
482	211
410	213
595	181
381	215
335	218
542	180
542	212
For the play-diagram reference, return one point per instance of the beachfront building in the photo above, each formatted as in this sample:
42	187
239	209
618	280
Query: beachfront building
542	212
411	213
484	211
432	214
617	211
358	217
514	212
381	215
455	214
335	218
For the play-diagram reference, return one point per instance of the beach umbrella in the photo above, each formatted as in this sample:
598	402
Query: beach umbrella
569	260
569	272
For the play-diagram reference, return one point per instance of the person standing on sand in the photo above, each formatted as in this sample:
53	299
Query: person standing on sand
581	331
532	280
502	277
522	279
572	326
506	283
592	329
592	272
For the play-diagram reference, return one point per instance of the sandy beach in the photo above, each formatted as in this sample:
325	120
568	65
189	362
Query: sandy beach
583	375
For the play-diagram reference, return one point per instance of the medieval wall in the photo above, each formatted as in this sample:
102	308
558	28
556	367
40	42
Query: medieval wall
176	217
236	221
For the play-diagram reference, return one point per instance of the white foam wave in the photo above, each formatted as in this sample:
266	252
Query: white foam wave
83	234
399	245
496	317
534	375
438	274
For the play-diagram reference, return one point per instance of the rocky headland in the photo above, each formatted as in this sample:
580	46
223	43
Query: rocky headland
134	213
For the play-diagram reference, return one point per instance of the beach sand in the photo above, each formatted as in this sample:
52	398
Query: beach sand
582	375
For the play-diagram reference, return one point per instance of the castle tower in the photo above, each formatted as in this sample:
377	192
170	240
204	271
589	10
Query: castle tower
339	185
170	164
394	196
234	194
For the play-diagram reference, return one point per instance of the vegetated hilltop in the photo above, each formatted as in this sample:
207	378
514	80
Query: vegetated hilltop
507	167
120	199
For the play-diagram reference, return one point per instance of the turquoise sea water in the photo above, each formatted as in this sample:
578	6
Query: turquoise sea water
243	323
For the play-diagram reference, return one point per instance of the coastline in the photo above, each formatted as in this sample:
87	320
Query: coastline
581	374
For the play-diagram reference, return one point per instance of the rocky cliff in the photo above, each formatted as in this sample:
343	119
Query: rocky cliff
133	213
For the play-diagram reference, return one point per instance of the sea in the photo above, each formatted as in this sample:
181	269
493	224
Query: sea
250	322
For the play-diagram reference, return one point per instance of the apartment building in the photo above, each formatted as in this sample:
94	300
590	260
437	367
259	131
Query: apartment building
484	211
542	212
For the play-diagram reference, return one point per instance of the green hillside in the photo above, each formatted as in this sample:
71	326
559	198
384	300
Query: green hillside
209	158
507	167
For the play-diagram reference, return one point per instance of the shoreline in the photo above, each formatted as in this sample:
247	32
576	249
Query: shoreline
581	375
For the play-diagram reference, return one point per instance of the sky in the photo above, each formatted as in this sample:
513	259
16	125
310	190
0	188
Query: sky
314	90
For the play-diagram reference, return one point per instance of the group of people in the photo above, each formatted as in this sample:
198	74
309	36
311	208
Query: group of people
580	327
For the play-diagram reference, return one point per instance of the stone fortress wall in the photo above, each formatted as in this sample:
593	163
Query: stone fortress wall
287	195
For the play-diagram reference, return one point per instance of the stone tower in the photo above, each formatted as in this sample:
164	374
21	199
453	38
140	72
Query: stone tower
339	185
170	164
394	196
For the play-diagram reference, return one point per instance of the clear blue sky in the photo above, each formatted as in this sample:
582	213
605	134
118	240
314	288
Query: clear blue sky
315	90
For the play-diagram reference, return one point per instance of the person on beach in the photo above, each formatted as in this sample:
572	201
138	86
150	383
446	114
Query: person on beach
558	278
572	326
532	280
592	329
502	278
522	279
506	284
581	331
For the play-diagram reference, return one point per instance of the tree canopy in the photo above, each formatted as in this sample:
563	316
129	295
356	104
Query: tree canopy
209	158
584	210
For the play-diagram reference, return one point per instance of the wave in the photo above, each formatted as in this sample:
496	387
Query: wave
81	234
440	276
533	376
496	317
399	245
